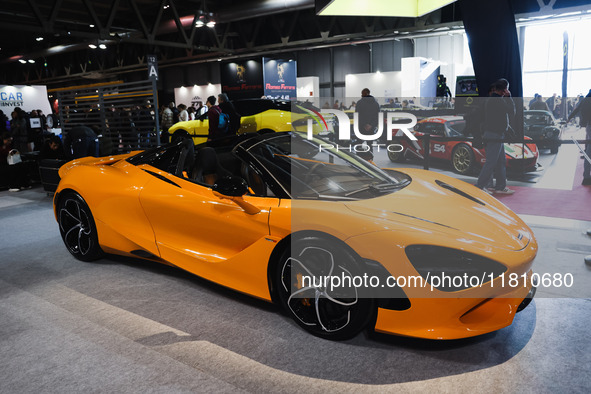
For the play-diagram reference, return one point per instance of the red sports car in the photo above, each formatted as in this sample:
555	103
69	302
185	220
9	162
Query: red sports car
463	156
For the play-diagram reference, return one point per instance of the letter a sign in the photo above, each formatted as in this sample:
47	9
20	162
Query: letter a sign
152	67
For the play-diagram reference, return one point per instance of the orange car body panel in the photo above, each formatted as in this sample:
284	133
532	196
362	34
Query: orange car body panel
189	227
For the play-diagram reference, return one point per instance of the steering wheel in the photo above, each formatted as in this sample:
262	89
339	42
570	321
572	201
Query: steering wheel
311	171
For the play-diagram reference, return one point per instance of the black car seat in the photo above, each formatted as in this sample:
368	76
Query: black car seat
207	166
186	159
254	180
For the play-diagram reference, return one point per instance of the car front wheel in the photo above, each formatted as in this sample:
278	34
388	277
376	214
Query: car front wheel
313	301
77	227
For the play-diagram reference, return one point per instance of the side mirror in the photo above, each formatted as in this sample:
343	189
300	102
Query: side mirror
231	186
234	188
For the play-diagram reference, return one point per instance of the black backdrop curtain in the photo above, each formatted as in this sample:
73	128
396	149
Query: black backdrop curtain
492	37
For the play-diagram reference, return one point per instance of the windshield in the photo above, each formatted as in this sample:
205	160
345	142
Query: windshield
456	127
537	119
316	169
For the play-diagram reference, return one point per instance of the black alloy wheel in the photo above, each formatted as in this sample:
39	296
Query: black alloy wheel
77	227
335	313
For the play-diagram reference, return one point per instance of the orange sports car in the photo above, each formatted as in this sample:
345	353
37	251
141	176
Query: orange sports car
341	244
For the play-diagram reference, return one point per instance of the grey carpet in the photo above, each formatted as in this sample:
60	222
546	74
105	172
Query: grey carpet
125	325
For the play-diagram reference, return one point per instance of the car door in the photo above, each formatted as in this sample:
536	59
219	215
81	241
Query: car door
207	235
437	143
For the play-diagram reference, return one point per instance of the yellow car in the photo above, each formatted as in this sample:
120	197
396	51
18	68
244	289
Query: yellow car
340	244
262	116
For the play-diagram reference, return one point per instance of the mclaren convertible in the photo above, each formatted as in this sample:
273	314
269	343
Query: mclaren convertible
284	218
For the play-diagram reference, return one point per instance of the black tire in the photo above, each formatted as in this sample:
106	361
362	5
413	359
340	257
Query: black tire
396	157
335	314
462	159
265	131
77	227
554	149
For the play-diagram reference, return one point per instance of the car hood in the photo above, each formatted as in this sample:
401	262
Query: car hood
447	204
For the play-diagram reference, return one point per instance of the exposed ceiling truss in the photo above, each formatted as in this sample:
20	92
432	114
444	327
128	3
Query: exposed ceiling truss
56	34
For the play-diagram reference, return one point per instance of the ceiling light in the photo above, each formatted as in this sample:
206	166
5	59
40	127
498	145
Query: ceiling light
22	61
102	46
31	61
199	23
91	25
210	24
39	38
166	6
401	8
92	46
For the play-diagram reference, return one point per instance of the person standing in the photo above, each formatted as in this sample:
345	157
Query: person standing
583	110
183	114
213	115
539	105
167	122
228	108
367	108
499	111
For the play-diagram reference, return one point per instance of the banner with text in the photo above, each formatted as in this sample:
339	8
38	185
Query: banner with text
280	77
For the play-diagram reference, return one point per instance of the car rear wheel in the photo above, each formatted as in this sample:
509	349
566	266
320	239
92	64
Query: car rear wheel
554	149
77	227
396	157
462	159
330	312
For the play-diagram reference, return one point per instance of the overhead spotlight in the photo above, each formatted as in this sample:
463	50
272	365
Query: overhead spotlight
39	39
22	61
166	6
92	46
91	25
219	59
102	46
31	61
205	20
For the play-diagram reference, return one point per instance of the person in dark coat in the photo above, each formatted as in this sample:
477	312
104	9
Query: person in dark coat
213	115
81	141
499	113
367	108
228	108
53	149
584	111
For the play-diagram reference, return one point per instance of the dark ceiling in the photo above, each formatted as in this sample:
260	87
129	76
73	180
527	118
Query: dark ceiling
131	29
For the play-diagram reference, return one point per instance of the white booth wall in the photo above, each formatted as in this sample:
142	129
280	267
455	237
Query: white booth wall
451	51
308	89
382	85
190	95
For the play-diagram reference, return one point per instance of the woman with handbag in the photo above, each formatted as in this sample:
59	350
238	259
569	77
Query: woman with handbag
13	172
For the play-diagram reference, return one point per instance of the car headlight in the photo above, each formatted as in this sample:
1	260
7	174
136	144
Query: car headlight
452	269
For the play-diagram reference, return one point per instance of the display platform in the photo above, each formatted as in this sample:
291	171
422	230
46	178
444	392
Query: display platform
129	325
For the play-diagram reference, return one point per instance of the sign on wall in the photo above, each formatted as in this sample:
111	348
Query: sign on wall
26	97
280	76
242	79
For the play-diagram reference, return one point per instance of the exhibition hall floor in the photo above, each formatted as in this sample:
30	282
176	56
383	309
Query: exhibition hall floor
125	325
